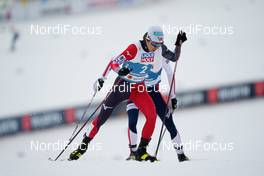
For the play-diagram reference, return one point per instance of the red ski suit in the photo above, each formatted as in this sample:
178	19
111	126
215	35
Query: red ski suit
136	92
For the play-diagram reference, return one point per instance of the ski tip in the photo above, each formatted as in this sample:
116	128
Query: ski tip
155	160
50	159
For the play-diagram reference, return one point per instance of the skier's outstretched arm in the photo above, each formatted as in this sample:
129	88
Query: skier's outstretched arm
168	54
174	56
115	64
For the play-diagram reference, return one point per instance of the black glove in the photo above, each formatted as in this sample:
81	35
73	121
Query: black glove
124	71
174	103
98	84
181	37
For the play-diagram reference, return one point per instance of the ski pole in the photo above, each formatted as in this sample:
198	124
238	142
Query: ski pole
83	115
70	141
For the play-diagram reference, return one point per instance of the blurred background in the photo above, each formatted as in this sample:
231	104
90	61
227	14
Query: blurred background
52	51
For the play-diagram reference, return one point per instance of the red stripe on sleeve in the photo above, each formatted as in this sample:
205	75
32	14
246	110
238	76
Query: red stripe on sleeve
131	52
128	54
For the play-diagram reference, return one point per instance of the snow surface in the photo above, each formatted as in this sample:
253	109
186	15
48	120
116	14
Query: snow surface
238	123
50	71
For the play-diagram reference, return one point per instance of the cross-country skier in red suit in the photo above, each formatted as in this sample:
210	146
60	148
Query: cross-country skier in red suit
132	66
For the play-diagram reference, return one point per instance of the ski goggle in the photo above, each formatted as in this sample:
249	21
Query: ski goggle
155	44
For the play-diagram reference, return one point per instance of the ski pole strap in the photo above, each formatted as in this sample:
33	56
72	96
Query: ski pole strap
132	146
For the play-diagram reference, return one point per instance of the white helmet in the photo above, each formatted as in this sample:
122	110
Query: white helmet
155	34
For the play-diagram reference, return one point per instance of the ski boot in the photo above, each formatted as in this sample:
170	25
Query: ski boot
132	155
76	154
181	156
141	153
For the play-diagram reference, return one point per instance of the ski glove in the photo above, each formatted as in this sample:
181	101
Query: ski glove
124	71
98	85
174	103
181	37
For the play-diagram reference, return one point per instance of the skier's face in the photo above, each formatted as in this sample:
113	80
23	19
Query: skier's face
152	46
